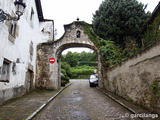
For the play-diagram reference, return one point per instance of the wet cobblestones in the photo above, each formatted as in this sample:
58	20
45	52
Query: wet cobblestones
80	102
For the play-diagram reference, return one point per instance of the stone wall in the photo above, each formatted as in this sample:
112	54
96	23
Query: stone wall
138	79
48	75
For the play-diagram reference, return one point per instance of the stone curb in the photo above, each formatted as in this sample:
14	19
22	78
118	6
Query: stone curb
45	104
119	102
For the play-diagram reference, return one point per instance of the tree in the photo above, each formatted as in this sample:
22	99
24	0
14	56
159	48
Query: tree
71	59
118	19
83	58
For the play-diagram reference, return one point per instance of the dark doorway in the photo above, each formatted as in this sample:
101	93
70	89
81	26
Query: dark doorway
29	80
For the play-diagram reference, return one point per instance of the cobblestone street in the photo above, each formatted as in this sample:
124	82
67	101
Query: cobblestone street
80	102
22	107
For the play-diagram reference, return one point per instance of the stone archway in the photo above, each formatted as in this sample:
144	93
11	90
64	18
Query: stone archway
48	75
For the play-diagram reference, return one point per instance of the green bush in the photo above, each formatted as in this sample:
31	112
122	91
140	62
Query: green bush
65	73
152	33
81	63
84	64
65	66
110	53
81	70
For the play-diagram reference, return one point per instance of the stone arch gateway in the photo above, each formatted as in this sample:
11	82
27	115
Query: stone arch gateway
48	75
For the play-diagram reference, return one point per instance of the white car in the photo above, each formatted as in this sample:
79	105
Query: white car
93	80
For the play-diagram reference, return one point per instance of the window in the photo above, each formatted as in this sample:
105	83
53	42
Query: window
29	80
32	13
5	71
78	34
12	30
31	50
32	17
93	77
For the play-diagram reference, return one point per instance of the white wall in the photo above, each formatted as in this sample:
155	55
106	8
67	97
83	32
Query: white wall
28	31
47	30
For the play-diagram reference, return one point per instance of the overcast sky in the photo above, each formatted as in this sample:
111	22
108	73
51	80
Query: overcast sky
67	11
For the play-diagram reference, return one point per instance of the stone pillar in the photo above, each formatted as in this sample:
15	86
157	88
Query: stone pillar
47	73
100	81
53	71
41	67
59	72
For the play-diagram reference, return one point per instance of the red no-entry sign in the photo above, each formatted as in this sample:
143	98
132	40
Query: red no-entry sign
51	60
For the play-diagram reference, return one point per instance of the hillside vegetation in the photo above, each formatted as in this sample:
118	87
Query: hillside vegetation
117	29
77	65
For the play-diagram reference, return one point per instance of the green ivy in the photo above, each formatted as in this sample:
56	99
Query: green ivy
111	54
92	36
154	88
155	95
152	33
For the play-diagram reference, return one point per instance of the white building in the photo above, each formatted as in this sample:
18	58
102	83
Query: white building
18	42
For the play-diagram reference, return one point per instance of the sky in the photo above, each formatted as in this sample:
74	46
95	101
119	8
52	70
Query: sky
67	11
